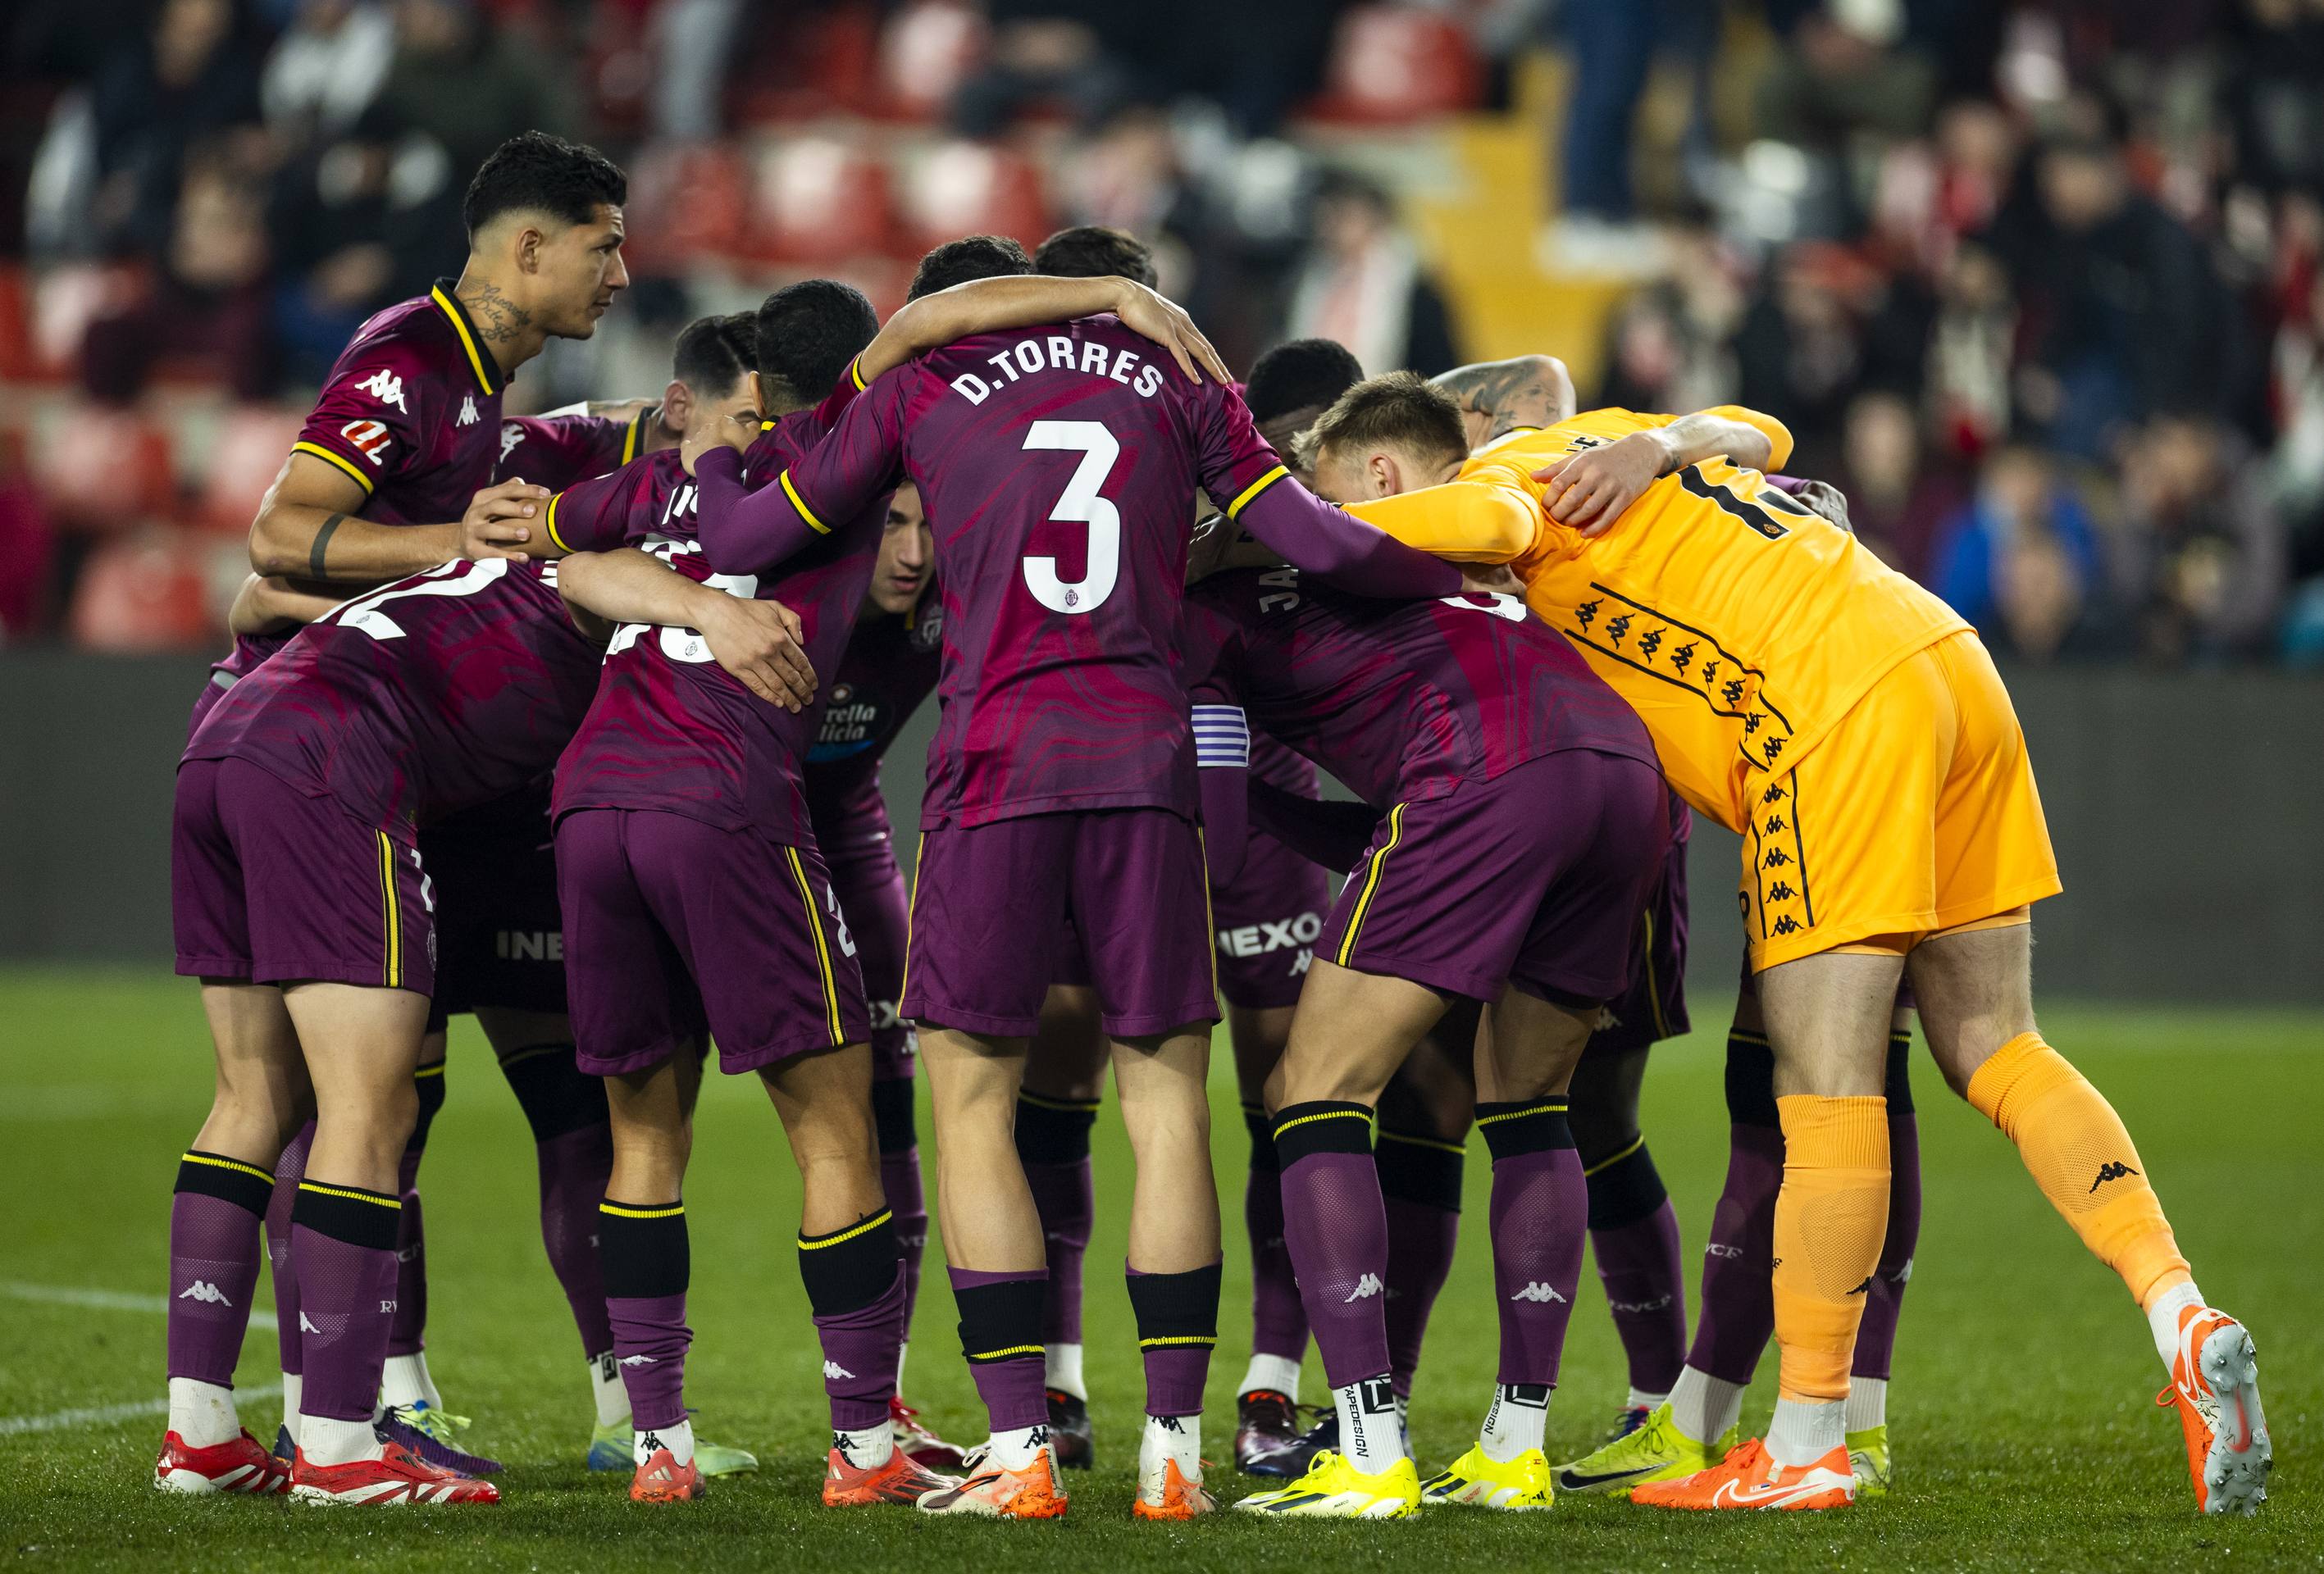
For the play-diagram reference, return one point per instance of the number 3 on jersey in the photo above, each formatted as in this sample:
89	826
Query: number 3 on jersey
1080	504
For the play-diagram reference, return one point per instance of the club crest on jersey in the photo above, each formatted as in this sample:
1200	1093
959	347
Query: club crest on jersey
386	387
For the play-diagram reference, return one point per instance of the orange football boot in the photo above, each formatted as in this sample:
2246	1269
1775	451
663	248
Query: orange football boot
1750	1478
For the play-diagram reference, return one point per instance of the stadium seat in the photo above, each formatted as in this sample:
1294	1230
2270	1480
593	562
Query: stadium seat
925	51
20	359
102	470
803	67
244	459
1391	65
966	188
686	201
147	591
819	199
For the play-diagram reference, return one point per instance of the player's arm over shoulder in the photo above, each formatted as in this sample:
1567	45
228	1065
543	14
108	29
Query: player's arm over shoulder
1745	436
1487	514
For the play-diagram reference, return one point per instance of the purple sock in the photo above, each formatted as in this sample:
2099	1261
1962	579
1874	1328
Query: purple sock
1876	1341
1177	1328
644	1253
573	1169
344	1239
407	1335
1420	1242
1739	1308
289	1171
1336	1227
1640	1266
214	1250
1540	1219
900	1177
1000	1334
1278	1323
856	1287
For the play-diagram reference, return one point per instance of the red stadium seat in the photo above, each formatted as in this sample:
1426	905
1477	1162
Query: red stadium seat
20	360
964	188
102	470
149	592
244	459
819	199
1391	65
802	68
685	202
65	300
927	50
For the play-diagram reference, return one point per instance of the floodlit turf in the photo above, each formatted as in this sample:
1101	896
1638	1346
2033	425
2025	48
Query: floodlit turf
2021	1412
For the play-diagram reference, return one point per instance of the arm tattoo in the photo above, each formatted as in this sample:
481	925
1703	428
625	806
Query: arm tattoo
499	319
323	540
1513	392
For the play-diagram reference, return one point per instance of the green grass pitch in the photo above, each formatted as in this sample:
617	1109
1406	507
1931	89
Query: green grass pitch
2021	1411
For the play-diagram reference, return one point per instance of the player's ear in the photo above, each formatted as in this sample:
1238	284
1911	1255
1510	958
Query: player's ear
1386	476
529	243
677	405
758	393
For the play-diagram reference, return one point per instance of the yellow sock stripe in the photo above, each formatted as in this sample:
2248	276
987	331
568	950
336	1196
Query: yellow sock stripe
1326	1115
618	1211
1071	1106
390	913
1617	1158
1243	497
517	1057
1758	1038
549	524
1900	1035
1440	1145
459	327
1372	885
321	1189
1551	1107
800	503
1010	1350
320	452
822	951
911	917
1179	1338
874	1223
219	1164
435	1070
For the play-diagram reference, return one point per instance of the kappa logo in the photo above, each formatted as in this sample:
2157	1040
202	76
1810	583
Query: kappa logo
2112	1170
833	1372
1536	1291
512	435
468	417
203	1290
640	1361
1369	1285
305	1325
386	387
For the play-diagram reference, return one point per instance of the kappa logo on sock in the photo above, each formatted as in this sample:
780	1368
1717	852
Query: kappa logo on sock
833	1372
1369	1284
1167	1423
1865	1288
2112	1170
650	1443
203	1290
1536	1291
305	1325
639	1362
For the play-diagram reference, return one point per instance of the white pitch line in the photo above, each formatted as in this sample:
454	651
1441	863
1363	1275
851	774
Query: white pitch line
106	1414
109	1301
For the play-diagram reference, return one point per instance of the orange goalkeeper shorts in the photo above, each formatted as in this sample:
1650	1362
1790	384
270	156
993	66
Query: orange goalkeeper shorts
1916	814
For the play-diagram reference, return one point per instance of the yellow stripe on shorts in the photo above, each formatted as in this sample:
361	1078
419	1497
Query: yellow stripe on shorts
1372	885
391	913
822	950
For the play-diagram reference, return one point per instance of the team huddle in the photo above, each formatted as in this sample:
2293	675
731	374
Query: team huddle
575	723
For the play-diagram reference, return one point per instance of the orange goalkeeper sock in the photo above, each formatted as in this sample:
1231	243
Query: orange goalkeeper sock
2078	1151
1831	1218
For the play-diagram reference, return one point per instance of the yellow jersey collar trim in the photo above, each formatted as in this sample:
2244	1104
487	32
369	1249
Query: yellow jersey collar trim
470	340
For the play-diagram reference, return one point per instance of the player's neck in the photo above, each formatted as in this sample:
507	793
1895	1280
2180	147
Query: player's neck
510	330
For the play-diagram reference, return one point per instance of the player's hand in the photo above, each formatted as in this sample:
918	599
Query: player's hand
719	435
759	642
1150	315
1589	491
496	525
1489	579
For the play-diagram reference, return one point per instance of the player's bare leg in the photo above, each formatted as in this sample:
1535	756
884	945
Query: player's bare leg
1056	1106
1976	1009
1173	1256
1266	1420
262	1098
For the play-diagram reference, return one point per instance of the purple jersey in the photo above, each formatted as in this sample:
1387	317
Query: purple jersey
249	650
672	730
418	699
889	667
411	411
1402	701
560	450
1059	467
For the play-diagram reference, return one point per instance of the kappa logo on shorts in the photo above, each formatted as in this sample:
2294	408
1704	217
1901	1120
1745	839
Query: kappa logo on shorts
2112	1170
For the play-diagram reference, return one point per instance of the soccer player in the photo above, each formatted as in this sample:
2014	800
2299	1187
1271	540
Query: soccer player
1460	719
1852	729
560	447
1058	467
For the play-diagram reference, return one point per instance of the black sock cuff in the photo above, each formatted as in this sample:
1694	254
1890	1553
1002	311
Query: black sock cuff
1415	1168
427	1081
852	1268
891	1114
1625	1188
349	1214
1053	1131
1525	1126
555	1093
1176	1310
643	1248
1751	1079
1002	1321
213	1174
1898	1084
1262	1137
1321	1126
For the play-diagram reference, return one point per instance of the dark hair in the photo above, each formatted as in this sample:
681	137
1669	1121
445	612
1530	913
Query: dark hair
713	353
969	257
806	333
1402	409
1304	374
1091	251
536	171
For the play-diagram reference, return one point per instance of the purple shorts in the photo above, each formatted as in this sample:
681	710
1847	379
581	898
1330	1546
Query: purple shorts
500	936
1654	1007
1535	878
270	884
1267	920
872	894
1130	879
671	923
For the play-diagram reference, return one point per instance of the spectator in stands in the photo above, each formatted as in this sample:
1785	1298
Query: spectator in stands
2021	560
1089	54
210	303
1612	44
1896	500
2269	93
325	69
1667	346
1970	352
1362	283
340	250
192	80
466	85
1843	75
2201	560
1800	348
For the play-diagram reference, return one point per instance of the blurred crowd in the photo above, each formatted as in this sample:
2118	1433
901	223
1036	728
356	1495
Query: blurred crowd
2036	284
